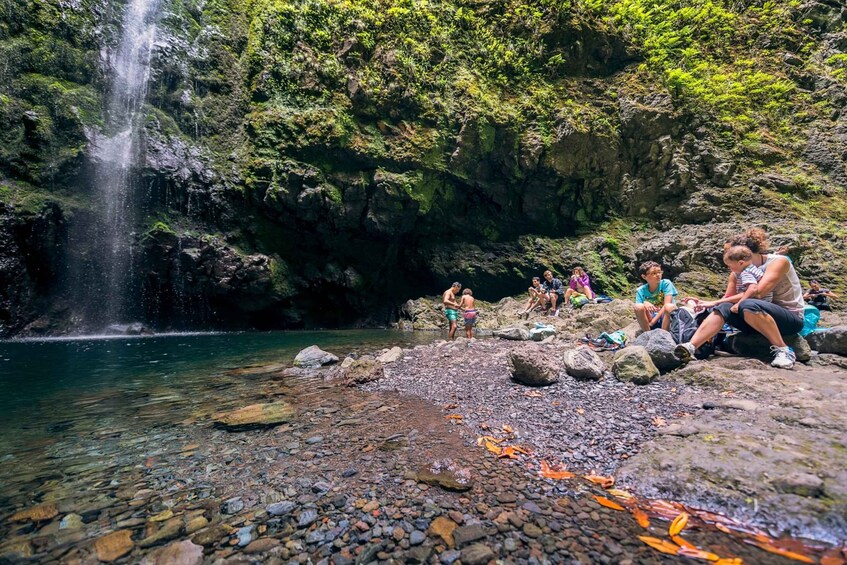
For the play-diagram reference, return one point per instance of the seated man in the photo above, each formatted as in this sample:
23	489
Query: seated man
555	292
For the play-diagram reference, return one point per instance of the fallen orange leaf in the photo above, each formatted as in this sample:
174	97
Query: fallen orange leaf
555	403
722	528
522	449
492	439
832	560
603	501
697	554
661	545
533	394
493	448
605	482
730	561
508	452
508	429
658	421
619	493
641	517
550	473
678	524
450	406
683	543
779	551
580	411
455	417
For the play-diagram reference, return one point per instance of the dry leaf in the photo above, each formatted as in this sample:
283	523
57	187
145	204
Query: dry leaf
605	482
661	545
619	493
492	447
533	394
832	560
697	554
678	524
641	517
522	449
550	473
580	411
722	528
555	403
508	452
658	421
779	551
508	429
492	439
367	448
603	501
455	417
683	543
730	561
450	406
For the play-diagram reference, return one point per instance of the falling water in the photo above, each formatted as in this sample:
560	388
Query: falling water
106	279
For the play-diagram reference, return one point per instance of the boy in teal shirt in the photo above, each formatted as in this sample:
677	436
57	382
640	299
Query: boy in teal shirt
655	300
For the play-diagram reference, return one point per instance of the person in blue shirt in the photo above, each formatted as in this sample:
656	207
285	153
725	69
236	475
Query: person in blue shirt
655	300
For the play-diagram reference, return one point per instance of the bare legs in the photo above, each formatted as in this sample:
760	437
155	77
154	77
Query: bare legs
646	316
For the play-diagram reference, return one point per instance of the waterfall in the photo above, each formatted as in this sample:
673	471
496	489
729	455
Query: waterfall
103	279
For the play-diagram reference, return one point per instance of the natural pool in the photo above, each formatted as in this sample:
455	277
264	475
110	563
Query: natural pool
71	408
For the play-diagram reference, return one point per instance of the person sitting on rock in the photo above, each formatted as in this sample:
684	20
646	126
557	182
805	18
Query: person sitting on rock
555	292
451	307
468	311
817	296
774	320
537	296
747	276
579	284
654	300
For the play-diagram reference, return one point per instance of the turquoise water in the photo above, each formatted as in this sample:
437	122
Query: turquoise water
34	370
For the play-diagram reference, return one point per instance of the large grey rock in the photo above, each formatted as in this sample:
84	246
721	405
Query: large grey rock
832	340
255	416
633	364
532	368
540	334
660	345
313	357
755	345
392	355
359	371
583	363
513	333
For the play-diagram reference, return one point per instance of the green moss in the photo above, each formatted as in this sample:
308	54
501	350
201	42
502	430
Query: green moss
281	279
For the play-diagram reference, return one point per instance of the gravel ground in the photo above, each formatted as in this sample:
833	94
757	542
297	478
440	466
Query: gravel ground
587	425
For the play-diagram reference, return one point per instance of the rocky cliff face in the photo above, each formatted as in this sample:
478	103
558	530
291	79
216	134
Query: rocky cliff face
314	164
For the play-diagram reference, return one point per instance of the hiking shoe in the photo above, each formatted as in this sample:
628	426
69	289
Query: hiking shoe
684	352
783	357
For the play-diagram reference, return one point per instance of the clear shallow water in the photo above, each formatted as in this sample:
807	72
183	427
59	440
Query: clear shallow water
69	408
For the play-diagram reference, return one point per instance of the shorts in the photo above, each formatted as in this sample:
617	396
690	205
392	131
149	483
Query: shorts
658	324
787	322
452	315
470	318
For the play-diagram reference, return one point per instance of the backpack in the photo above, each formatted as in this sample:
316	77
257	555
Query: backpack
579	300
811	315
684	324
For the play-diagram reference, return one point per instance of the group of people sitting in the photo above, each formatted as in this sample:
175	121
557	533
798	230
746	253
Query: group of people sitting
550	295
763	295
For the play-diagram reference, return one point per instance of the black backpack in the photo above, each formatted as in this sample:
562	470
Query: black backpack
682	327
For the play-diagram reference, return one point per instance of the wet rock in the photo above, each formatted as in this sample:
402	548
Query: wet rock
245	535
392	355
171	529
177	553
531	367
233	505
281	508
832	340
660	345
476	554
467	534
417	537
255	416
261	545
212	534
531	530
801	484
443	528
70	522
512	333
633	364
755	345
583	363
196	524
542	333
451	556
46	511
113	546
307	518
15	550
419	554
313	357
445	478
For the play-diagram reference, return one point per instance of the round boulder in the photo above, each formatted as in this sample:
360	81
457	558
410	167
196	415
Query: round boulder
832	340
313	357
633	364
531	367
513	333
583	363
660	345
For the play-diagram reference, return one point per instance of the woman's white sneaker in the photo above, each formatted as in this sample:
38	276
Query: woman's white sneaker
684	352
783	357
